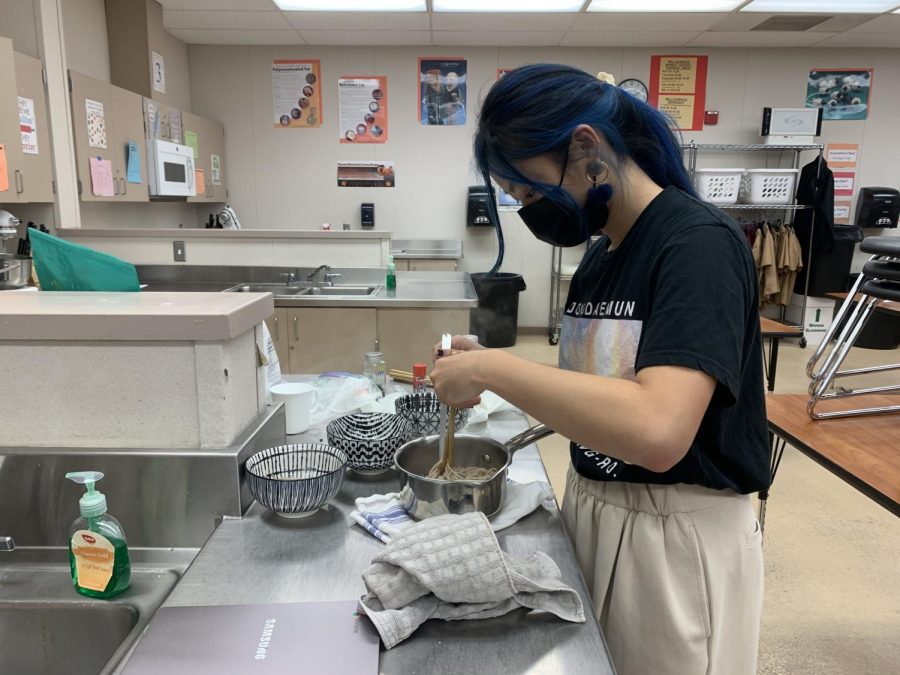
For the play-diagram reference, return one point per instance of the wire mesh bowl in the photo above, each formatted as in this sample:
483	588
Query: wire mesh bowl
296	480
423	411
369	439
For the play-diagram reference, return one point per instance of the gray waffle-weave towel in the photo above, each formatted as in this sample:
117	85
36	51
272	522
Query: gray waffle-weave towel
452	568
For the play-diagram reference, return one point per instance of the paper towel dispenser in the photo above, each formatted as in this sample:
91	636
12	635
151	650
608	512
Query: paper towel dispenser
877	207
478	213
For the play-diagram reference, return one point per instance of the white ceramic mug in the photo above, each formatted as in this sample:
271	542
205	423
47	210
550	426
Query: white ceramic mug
299	399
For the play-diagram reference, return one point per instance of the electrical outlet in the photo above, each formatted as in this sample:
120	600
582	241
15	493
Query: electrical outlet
178	251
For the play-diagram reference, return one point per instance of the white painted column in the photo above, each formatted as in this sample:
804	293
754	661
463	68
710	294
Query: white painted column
52	48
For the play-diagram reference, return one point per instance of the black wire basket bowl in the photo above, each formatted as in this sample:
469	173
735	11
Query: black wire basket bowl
369	439
296	480
423	411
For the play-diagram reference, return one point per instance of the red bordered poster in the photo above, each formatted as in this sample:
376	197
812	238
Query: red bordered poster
678	88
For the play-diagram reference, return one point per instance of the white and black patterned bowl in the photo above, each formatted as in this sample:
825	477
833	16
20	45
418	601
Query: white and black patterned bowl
369	439
424	412
296	480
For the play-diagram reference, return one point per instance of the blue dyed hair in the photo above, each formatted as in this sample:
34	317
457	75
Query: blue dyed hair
535	109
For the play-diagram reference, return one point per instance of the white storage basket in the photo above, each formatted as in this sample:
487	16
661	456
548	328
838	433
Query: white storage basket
769	186
718	186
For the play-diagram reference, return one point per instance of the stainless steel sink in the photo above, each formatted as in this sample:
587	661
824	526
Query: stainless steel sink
47	627
62	638
274	289
338	290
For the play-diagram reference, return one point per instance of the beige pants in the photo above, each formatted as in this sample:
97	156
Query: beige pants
675	573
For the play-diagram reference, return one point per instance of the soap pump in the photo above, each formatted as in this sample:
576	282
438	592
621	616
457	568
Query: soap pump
98	554
391	280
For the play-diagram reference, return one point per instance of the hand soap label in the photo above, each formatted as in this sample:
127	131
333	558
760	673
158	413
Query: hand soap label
94	556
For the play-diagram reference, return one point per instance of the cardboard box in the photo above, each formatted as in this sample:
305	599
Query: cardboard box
819	315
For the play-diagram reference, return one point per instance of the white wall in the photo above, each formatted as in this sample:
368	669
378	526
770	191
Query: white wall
286	178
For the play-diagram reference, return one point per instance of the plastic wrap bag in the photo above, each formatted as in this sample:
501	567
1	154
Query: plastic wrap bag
340	394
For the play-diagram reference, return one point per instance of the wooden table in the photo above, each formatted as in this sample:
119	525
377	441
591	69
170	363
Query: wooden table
863	451
775	331
888	306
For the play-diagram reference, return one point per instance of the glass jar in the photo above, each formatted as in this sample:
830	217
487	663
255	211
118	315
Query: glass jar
374	369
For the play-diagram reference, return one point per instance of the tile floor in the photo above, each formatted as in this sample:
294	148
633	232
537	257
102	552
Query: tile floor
832	555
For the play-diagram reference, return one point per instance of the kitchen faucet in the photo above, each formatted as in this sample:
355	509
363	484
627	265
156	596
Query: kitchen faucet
7	544
327	278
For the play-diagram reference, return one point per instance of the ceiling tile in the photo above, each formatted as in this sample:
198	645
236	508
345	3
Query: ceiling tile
757	39
472	38
841	22
360	38
177	18
245	5
627	39
883	24
856	39
206	36
358	20
535	21
646	21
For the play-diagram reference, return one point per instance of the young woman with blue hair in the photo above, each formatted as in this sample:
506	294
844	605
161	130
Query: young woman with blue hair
659	385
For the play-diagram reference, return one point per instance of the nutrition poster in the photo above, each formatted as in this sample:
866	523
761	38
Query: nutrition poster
678	88
296	93
442	91
366	174
363	106
96	123
842	93
28	126
159	72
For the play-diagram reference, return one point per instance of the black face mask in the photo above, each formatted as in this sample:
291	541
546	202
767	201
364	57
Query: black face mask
559	225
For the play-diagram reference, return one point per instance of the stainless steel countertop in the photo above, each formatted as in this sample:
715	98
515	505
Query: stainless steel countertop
445	290
264	558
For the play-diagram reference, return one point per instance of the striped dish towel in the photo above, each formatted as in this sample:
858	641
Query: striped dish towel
386	516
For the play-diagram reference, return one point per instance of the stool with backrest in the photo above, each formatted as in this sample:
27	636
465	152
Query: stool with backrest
879	281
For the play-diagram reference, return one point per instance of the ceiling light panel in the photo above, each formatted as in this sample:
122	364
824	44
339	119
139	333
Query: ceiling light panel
351	5
507	5
663	5
822	6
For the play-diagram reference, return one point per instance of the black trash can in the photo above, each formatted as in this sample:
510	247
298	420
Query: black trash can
497	317
830	272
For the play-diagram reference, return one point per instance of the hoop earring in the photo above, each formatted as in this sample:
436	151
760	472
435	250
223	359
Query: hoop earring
594	168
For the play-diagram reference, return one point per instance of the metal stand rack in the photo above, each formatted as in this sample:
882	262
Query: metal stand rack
693	149
556	295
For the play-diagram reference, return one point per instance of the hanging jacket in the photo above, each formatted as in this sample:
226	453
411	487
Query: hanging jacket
817	192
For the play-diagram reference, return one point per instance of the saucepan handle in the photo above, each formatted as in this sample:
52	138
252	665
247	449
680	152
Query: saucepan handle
527	437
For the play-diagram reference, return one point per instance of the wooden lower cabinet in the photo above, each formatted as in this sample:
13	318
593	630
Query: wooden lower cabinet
278	328
408	335
329	338
319	339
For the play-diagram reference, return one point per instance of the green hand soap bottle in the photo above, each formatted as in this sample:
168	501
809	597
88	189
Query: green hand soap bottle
98	554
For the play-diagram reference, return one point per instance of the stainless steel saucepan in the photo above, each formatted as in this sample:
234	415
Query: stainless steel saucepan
428	497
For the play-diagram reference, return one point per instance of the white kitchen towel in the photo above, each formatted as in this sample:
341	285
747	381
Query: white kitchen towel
386	516
452	568
490	404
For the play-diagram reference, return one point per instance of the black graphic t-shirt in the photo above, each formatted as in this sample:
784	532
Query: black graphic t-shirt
680	290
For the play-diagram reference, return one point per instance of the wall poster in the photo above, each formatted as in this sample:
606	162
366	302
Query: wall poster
842	158
678	88
366	174
363	108
296	93
28	126
442	91
96	123
843	93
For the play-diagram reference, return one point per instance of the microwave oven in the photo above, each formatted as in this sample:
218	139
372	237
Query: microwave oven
171	169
